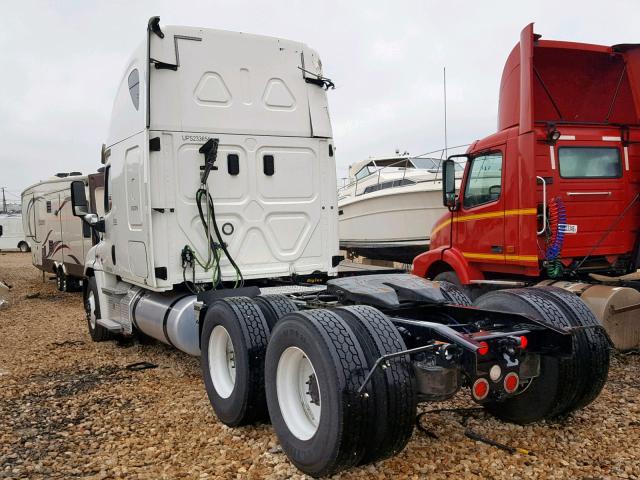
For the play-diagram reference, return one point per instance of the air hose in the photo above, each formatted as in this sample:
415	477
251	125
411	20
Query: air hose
204	192
557	220
189	257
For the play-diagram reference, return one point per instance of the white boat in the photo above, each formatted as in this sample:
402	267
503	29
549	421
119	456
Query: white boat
389	206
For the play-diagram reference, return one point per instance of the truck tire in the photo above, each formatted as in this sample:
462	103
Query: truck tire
454	295
234	342
92	309
591	345
551	393
72	284
274	307
60	280
452	289
314	367
394	391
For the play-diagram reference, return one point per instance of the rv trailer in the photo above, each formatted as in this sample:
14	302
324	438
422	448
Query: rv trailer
11	234
220	239
58	241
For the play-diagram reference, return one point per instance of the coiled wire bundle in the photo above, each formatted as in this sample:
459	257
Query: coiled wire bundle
556	227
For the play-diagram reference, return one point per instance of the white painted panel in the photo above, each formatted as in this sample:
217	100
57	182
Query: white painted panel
133	181
295	177
228	82
138	259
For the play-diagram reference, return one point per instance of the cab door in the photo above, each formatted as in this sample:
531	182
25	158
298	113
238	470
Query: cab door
479	221
593	181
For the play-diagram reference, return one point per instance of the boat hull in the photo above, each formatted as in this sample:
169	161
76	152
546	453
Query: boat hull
392	224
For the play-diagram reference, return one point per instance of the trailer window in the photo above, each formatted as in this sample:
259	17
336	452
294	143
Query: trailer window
589	162
485	180
134	87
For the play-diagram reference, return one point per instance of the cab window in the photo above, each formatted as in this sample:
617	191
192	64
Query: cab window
134	87
589	162
484	183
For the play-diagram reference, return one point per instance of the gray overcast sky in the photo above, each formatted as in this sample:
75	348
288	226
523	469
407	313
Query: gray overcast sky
61	62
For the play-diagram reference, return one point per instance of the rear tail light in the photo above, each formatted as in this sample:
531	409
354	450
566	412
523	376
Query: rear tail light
523	342
483	349
511	382
480	389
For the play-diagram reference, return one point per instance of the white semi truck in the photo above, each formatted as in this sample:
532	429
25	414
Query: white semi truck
219	237
59	242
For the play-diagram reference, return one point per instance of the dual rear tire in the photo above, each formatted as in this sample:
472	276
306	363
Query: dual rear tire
302	370
564	384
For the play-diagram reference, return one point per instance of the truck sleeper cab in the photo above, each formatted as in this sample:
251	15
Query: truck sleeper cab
221	205
554	194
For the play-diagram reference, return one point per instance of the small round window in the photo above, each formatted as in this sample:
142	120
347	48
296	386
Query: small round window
134	87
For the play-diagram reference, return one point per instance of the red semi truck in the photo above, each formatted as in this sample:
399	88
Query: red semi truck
554	194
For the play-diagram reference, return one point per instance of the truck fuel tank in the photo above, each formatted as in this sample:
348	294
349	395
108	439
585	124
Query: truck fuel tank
169	318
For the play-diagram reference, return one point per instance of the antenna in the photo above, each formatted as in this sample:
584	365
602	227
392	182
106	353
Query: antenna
444	73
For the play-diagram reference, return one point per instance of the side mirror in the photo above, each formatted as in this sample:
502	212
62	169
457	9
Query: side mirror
79	203
449	183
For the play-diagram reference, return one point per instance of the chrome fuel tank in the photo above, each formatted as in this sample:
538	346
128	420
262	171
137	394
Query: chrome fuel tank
169	318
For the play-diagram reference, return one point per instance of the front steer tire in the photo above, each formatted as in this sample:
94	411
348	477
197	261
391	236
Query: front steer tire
233	343
394	390
560	386
92	310
330	436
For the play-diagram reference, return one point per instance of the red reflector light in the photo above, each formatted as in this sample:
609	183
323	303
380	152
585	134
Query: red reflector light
523	342
480	389
484	348
511	382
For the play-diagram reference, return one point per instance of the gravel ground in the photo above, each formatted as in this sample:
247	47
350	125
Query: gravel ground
69	408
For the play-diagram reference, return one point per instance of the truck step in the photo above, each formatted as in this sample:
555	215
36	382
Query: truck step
117	290
110	325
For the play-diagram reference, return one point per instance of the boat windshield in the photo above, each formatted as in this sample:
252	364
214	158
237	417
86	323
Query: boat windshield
432	164
425	163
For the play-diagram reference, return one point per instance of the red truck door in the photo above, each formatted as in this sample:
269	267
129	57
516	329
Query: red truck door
479	222
593	181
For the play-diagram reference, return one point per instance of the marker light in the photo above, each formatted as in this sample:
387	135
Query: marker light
495	372
484	348
523	342
480	389
511	382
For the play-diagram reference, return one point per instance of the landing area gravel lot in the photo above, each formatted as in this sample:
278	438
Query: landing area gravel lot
69	408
